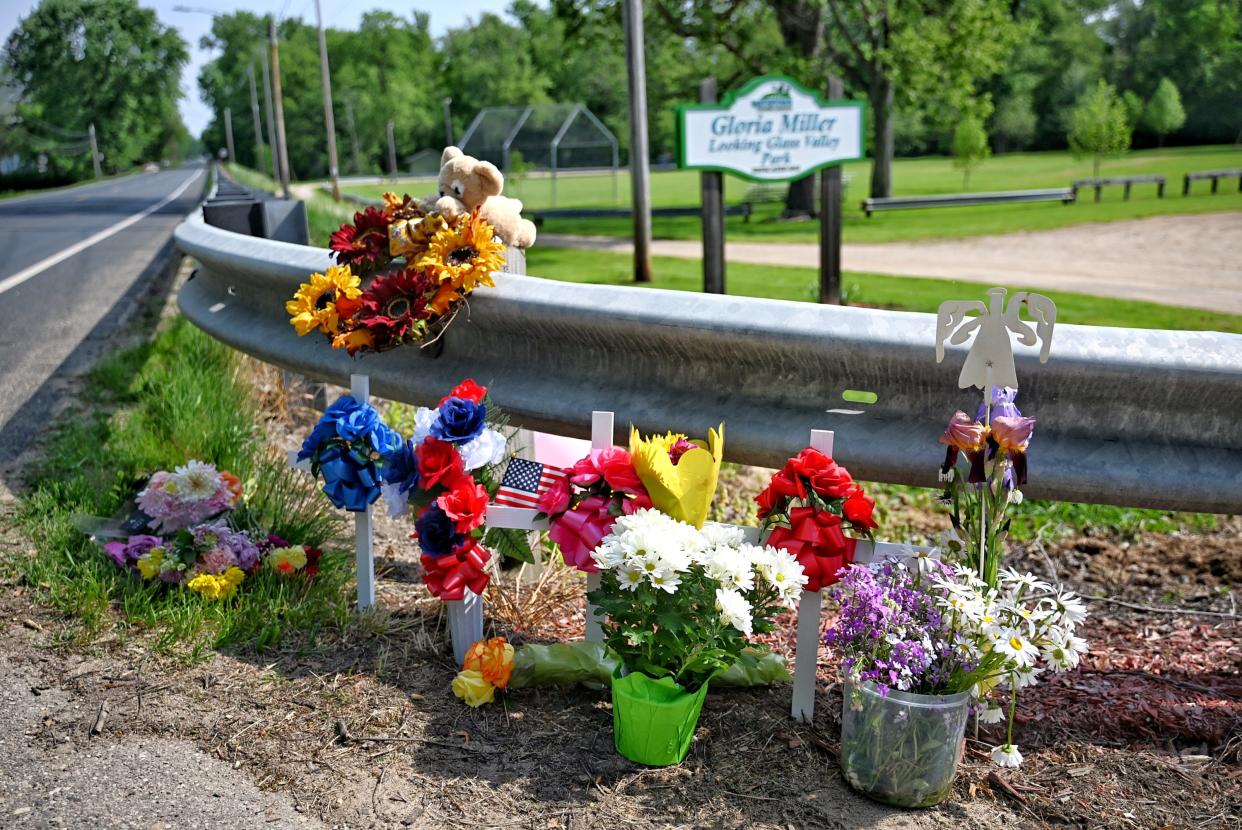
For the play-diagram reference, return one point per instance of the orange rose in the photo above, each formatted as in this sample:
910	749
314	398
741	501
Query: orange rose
491	658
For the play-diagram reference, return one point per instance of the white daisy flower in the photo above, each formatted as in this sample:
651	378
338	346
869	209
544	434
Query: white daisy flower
629	577
1007	756
734	610
1070	607
1027	582
664	580
992	714
715	534
1013	643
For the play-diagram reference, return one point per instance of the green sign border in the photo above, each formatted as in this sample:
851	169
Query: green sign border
728	102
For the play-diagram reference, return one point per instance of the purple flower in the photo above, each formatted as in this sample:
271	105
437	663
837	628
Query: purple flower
125	554
1002	404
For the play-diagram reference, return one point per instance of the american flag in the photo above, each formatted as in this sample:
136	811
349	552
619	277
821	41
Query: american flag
525	481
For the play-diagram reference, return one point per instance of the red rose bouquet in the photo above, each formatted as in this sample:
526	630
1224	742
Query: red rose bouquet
806	509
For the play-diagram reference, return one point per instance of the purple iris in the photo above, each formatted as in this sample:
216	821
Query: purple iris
1002	404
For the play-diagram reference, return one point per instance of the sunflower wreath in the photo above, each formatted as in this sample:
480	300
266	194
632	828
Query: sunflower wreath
422	266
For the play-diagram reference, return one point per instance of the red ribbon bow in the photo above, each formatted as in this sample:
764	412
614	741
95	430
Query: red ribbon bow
815	539
448	577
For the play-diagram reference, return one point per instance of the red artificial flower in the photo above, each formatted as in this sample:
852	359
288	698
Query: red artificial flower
438	463
392	305
785	484
312	561
555	500
465	503
618	470
364	243
826	477
858	507
467	389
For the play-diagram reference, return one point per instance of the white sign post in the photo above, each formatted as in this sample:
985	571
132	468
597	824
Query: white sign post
771	130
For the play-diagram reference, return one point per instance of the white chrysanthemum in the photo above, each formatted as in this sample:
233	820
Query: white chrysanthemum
715	535
734	610
423	419
1016	645
730	567
783	572
196	481
629	577
664	580
992	714
611	553
488	447
1007	756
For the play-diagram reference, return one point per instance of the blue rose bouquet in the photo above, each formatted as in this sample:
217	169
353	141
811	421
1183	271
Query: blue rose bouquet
347	448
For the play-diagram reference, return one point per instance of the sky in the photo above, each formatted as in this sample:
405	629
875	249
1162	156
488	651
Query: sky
340	14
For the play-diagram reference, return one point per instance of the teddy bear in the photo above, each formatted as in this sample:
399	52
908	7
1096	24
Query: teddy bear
467	183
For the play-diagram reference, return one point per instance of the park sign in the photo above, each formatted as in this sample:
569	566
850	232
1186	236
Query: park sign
770	130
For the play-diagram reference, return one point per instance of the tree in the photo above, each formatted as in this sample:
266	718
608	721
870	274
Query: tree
970	146
1164	112
1099	125
1014	122
1134	107
106	62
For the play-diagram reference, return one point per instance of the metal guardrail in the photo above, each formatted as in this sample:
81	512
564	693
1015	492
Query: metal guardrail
1131	417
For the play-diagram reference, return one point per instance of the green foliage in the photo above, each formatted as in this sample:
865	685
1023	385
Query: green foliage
1100	125
157	405
1134	107
970	146
1164	111
509	543
107	62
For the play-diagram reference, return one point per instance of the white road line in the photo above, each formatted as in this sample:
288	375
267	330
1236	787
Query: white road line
77	247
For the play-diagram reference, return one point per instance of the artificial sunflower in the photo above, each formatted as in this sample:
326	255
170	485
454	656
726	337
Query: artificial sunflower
410	237
354	341
445	297
464	254
402	207
364	243
314	305
394	307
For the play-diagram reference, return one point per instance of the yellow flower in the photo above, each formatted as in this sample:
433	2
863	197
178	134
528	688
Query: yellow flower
287	560
149	563
217	587
493	659
464	254
470	686
353	341
443	299
314	304
684	489
402	207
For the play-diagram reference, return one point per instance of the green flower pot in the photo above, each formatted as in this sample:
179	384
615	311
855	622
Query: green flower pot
653	721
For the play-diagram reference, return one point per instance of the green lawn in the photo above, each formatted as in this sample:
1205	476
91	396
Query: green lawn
878	290
1017	171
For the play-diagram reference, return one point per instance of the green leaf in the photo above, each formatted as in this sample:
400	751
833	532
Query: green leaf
509	543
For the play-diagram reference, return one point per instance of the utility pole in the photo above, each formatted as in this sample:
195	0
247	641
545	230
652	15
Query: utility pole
228	134
392	152
353	134
329	121
254	116
280	109
640	183
830	219
95	152
448	121
271	119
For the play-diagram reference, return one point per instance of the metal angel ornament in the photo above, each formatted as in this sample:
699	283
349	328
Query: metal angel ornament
990	361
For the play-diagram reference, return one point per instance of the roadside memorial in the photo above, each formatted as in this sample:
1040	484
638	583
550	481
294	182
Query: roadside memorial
422	259
189	528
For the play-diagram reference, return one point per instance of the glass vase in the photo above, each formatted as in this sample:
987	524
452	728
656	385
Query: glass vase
902	748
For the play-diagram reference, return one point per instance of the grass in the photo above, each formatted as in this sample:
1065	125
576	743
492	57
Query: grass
181	396
878	290
1015	171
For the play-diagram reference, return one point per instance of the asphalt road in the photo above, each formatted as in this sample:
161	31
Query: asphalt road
72	264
